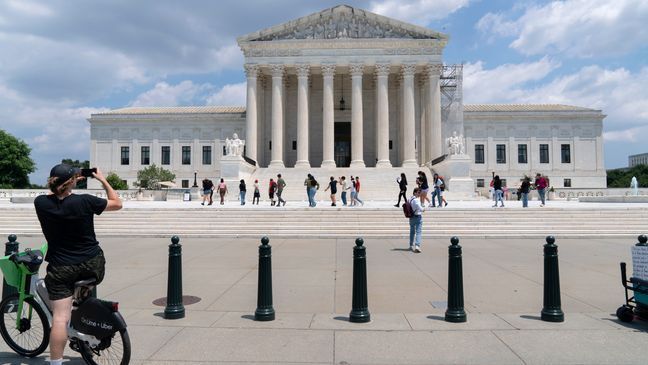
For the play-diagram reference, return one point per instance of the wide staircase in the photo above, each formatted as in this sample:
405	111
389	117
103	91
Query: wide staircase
375	184
348	222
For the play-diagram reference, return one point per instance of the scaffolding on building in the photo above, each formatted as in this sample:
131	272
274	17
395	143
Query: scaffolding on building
452	99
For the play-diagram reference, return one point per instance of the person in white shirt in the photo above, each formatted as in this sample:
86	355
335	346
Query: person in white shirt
416	221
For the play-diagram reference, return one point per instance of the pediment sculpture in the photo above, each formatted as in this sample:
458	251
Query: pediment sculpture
344	22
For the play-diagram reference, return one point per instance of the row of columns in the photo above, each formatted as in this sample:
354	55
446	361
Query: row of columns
433	138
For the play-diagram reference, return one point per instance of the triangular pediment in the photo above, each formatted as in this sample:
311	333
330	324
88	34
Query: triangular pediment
342	22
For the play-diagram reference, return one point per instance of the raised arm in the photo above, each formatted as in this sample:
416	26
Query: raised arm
114	203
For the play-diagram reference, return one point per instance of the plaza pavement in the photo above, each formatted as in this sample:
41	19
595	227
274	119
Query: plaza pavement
407	293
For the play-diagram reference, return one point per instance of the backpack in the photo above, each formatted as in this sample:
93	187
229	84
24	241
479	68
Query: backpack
407	209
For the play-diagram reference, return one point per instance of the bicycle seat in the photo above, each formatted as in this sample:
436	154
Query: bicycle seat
31	259
84	283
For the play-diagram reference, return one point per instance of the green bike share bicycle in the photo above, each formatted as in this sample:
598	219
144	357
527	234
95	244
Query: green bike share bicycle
96	330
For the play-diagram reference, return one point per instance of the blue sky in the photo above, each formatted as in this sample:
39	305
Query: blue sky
62	60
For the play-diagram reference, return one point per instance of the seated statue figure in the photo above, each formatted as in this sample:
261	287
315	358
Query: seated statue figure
456	144
237	145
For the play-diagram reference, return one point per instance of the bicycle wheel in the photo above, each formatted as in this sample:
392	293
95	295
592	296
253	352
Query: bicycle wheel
32	335
114	350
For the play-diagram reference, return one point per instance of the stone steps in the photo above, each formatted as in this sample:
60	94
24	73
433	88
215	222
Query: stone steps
370	222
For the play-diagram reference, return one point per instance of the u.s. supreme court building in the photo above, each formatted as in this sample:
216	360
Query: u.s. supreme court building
345	91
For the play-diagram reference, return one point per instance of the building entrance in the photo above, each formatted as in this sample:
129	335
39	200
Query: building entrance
342	145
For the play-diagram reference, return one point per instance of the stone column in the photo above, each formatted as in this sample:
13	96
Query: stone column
276	159
409	122
423	146
357	146
302	116
435	136
252	71
328	71
382	71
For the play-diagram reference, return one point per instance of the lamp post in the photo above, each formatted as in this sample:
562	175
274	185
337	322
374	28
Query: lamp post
195	185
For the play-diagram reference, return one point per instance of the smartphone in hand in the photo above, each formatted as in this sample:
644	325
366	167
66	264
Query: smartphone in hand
88	172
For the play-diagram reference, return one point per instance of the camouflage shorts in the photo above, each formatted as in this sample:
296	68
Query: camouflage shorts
60	279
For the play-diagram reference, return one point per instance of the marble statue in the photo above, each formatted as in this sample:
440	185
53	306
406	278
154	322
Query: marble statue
234	146
456	144
635	186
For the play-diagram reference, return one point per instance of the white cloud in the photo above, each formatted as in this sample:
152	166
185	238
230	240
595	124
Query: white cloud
29	8
503	82
230	95
583	28
619	93
420	12
163	94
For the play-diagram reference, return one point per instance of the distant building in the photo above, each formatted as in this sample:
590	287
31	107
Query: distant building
640	159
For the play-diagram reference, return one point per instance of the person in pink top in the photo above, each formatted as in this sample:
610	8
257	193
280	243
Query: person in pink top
541	186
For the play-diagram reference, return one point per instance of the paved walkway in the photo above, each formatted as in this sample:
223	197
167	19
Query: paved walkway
407	294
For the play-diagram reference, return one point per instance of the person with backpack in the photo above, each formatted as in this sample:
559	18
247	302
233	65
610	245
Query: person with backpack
413	210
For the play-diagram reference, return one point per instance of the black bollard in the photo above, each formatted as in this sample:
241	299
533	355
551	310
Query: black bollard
551	311
360	306
265	311
174	307
10	247
455	312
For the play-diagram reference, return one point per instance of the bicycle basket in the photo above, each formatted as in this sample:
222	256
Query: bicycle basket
10	271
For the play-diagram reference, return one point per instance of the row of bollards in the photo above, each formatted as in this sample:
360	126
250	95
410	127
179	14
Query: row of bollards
455	312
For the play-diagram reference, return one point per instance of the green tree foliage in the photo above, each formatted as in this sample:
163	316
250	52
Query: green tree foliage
116	182
150	177
620	178
83	184
15	163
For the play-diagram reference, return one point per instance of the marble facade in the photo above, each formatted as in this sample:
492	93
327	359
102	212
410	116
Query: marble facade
346	88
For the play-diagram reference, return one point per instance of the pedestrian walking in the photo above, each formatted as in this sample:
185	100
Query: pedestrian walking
352	187
222	190
416	221
332	185
242	191
311	188
437	182
523	192
402	189
257	194
281	184
357	188
271	191
499	193
442	191
345	186
207	190
541	186
424	189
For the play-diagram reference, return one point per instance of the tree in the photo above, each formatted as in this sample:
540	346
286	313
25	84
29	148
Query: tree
15	163
116	182
83	184
620	178
150	177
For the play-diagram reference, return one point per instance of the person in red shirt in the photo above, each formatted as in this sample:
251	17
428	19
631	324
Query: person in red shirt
271	191
541	186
